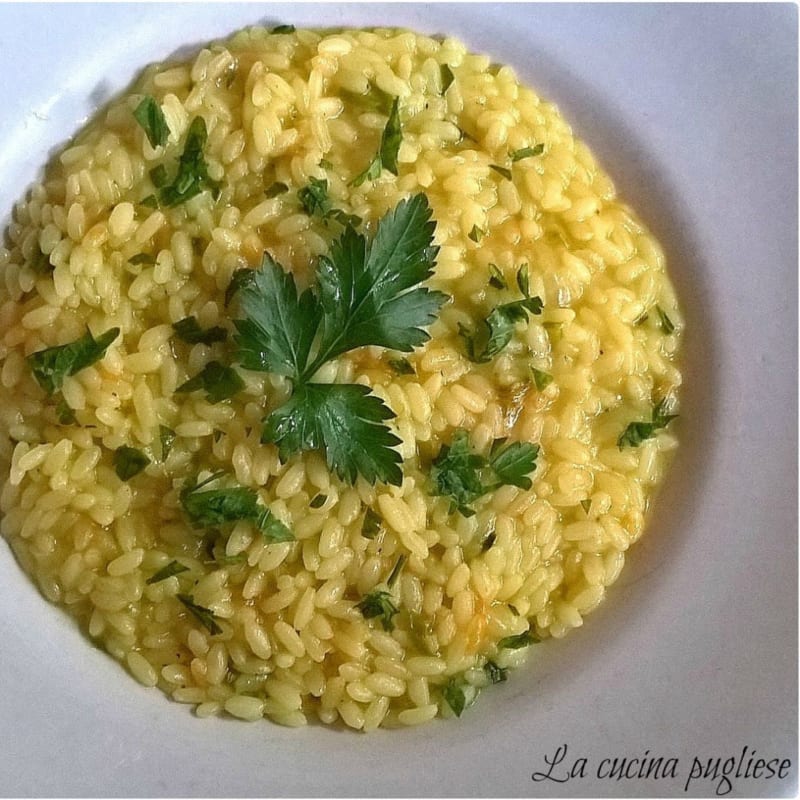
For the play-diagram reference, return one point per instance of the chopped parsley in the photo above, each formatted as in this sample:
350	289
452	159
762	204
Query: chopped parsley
314	199
518	641
526	152
142	258
212	507
152	120
173	568
504	171
379	604
465	476
387	153
396	570
476	234
189	331
367	293
664	321
219	382
283	29
40	262
159	177
497	330
276	189
239	279
371	525
637	432
494	673
318	501
151	201
402	366
496	278
192	176
541	379
459	695
129	462
65	415
167	439
447	77
51	366
203	615
586	505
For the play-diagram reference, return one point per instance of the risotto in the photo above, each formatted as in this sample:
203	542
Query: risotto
334	378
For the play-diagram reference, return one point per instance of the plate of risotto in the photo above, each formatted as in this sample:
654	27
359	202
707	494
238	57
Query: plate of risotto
375	382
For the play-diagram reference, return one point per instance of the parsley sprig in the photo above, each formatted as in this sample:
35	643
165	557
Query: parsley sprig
367	293
465	476
637	432
386	157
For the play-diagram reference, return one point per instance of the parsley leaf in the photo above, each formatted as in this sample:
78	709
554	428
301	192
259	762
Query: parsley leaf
497	330
240	278
459	695
367	293
379	604
318	501
173	568
586	505
402	366
386	158
496	278
465	476
192	177
189	331
344	419
476	234
504	171
637	432
167	438
159	177
65	415
664	321
371	525
494	673
51	366
276	189
527	152
142	258
314	197
447	77
518	641
219	382
128	462
283	29
150	116
203	615
541	379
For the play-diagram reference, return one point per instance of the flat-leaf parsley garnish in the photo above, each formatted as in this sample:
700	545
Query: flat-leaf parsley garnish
51	366
192	176
188	330
386	157
129	462
203	615
219	382
637	432
367	293
465	476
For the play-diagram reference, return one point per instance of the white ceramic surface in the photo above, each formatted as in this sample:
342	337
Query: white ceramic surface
693	111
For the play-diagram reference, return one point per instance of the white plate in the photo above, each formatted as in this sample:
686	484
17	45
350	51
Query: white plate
693	111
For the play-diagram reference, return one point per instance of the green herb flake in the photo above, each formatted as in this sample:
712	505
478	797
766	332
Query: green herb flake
518	641
488	542
367	293
65	415
276	189
526	152
459	695
371	525
314	197
637	432
586	505
142	258
152	120
218	381
151	201
541	379
504	171
664	321
173	568
188	330
51	366
318	501
401	366
396	570
325	164
447	77
391	138
167	438
212	507
203	615
192	176
40	262
379	604
465	476
476	234
240	278
496	278
283	29
272	529
494	673
129	462
159	177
